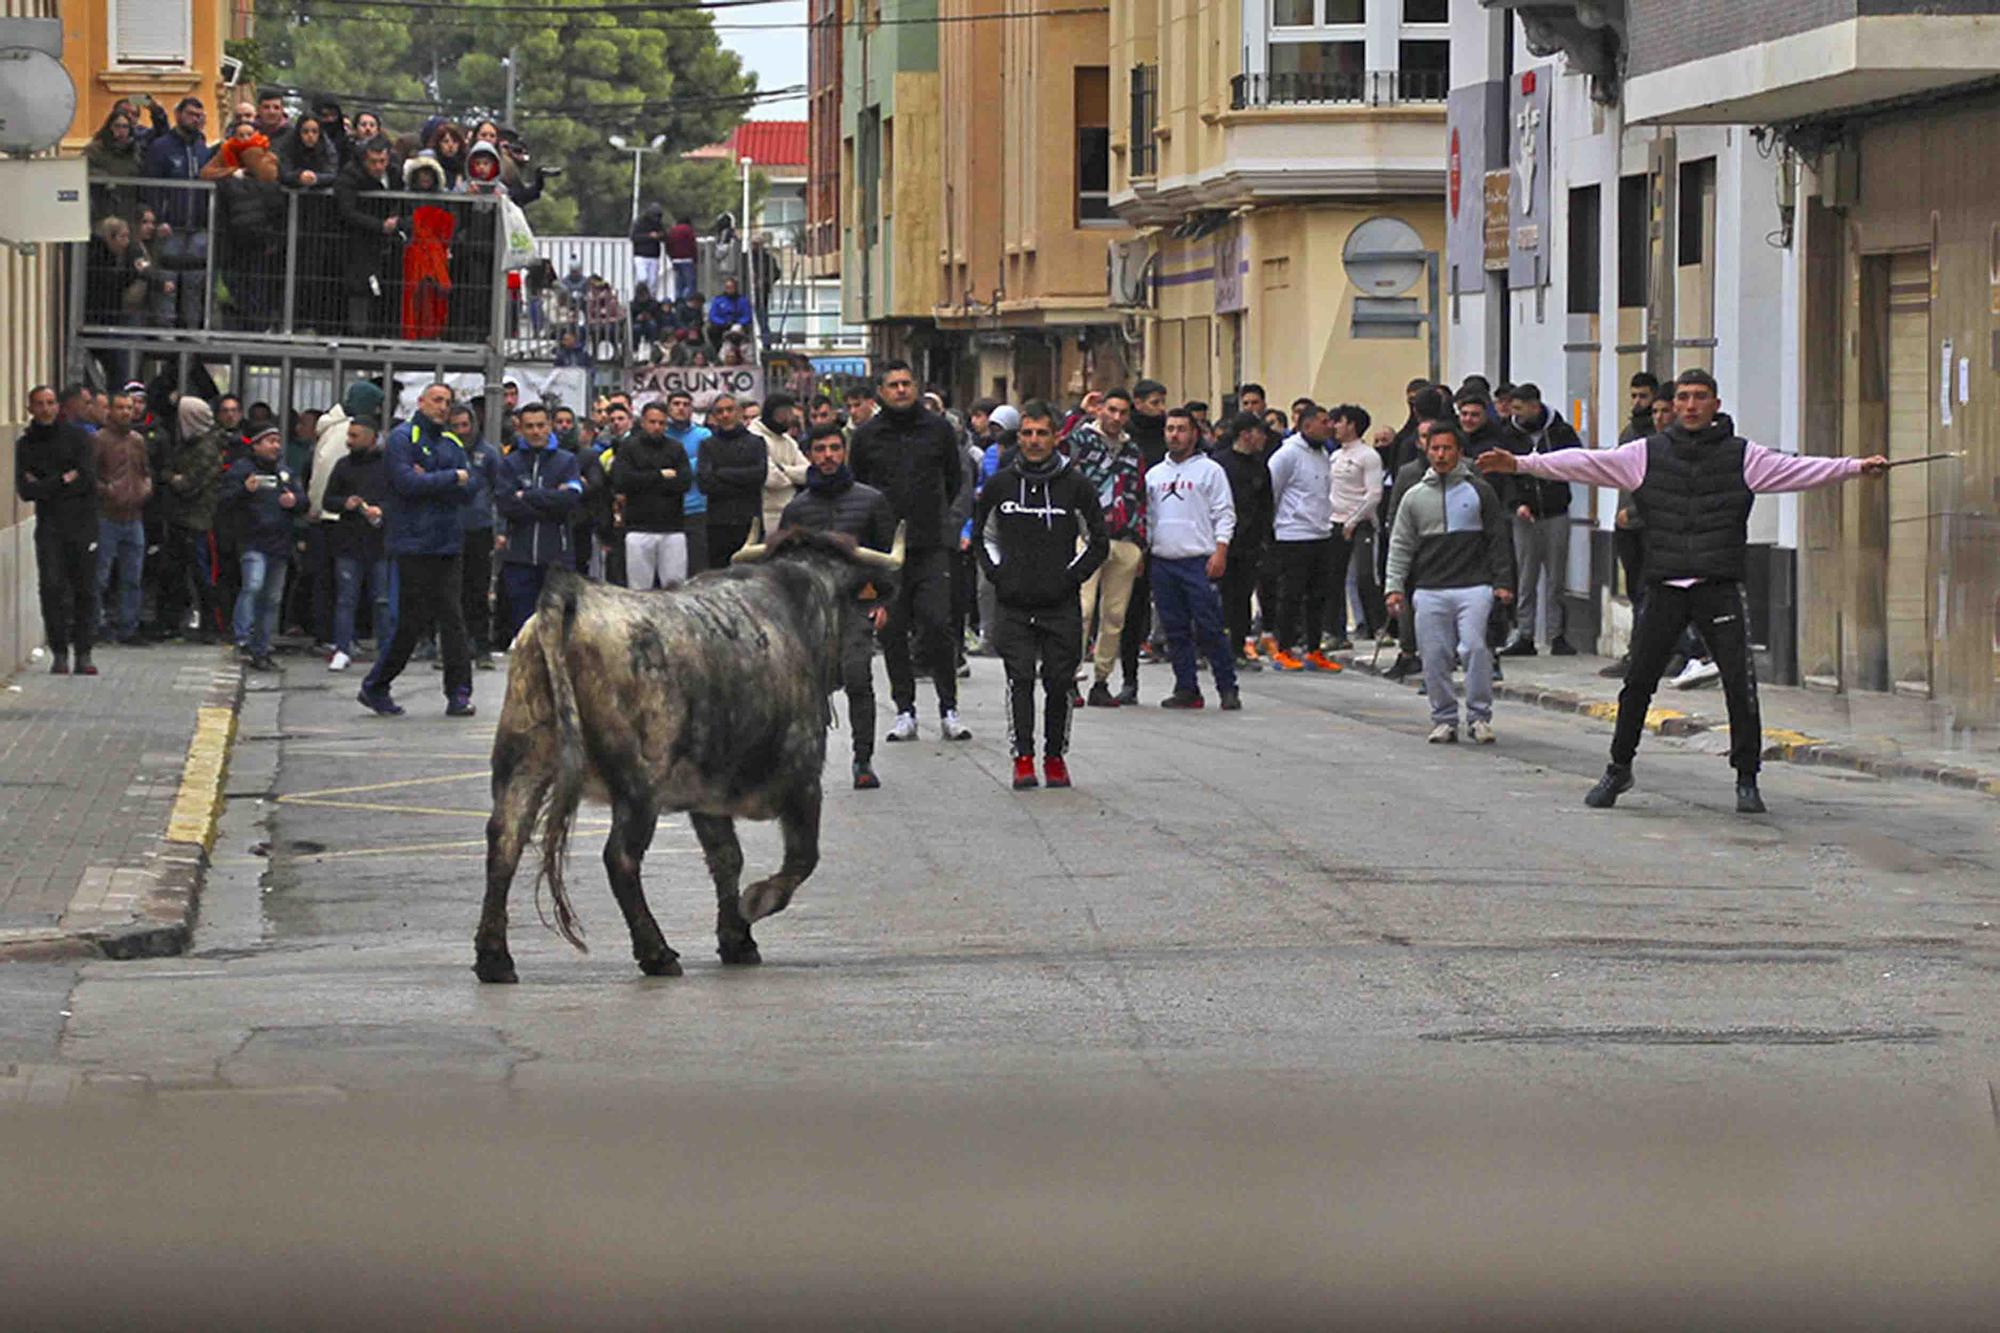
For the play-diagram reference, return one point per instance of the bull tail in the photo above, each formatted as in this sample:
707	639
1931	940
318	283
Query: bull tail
555	614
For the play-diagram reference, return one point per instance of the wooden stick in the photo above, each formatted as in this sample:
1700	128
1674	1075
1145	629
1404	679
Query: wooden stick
1927	458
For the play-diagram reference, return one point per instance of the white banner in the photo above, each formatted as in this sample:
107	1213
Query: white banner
703	383
566	387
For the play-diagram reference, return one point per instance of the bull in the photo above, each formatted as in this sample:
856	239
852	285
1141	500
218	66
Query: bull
709	699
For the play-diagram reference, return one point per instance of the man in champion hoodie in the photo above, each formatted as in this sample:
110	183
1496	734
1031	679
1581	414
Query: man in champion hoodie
1028	519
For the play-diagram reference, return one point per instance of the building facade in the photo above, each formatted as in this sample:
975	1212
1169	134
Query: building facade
163	49
1284	161
1025	213
1584	249
1800	199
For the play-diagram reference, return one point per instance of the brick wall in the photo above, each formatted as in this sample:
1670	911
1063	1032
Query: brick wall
1665	33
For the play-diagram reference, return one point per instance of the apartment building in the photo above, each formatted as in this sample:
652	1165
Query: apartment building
1285	163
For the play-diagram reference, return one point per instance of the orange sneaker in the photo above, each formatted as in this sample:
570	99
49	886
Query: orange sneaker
1284	661
1321	662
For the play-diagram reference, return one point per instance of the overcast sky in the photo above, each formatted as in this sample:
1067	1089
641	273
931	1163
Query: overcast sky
777	56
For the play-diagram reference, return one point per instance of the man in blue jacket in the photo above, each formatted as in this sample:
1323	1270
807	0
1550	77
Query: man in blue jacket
429	480
539	489
684	430
476	521
179	154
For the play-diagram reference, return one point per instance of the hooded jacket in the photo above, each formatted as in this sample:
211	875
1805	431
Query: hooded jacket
423	510
1451	532
1302	490
733	466
124	479
691	437
41	456
1250	490
784	472
652	502
361	402
191	471
1544	498
1118	471
911	456
1028	519
262	521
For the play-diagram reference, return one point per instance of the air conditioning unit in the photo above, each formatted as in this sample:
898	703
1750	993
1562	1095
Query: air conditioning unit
1129	268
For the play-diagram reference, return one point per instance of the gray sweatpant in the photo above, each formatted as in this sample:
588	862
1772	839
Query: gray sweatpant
1451	628
1541	547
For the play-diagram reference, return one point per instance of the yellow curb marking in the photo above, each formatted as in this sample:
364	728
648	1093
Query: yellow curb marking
198	803
1655	717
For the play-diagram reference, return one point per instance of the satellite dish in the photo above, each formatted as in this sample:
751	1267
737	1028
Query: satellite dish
37	100
1384	257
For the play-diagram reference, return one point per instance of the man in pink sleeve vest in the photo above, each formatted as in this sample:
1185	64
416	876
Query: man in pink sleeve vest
1693	484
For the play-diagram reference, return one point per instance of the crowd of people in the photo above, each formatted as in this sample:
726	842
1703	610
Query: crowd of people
365	265
1115	530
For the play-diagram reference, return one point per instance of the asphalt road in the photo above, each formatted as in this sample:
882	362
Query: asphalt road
1300	896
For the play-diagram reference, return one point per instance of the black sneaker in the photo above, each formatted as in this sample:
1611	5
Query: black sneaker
1559	647
1617	780
1616	670
864	776
59	663
1748	800
1101	697
1129	696
460	706
263	662
1189	699
1405	665
379	703
1522	647
1232	701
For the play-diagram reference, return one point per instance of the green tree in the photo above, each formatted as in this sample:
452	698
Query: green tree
580	77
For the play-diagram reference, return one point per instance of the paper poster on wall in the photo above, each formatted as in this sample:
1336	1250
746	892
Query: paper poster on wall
1945	359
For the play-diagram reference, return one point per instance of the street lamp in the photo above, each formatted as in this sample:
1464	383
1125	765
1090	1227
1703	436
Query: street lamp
638	152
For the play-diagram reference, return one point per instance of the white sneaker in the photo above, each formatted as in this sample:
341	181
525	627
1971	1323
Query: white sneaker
1697	673
339	661
905	728
1481	733
953	729
1444	733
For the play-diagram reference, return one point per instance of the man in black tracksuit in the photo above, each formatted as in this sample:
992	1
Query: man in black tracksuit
55	467
1247	466
910	454
731	472
1029	517
833	501
1148	433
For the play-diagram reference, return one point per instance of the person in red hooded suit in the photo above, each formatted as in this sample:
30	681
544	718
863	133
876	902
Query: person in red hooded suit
427	258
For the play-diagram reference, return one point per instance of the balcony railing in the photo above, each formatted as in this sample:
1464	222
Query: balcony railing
1381	87
1143	151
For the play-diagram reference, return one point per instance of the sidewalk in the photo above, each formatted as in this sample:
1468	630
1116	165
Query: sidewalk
1884	735
112	785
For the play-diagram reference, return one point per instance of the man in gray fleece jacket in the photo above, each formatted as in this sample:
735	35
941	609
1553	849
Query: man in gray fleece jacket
1452	554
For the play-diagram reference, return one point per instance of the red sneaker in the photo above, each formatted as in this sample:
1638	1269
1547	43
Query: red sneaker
1024	772
1055	773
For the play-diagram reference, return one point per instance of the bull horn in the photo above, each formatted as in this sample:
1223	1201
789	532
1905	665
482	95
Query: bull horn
892	561
749	555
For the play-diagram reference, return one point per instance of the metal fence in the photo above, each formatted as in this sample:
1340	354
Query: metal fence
1379	87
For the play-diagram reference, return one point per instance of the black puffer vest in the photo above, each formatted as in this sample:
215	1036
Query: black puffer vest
1696	506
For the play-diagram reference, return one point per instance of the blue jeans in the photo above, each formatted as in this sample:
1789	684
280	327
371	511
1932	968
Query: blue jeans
257	606
121	544
350	575
683	277
1191	613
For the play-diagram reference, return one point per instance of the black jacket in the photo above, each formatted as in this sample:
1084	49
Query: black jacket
1150	434
1250	487
369	250
41	456
253	216
263	522
845	506
1025	528
652	502
911	456
1492	435
365	474
1544	498
733	465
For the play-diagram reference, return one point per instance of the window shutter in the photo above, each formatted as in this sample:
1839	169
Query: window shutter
153	32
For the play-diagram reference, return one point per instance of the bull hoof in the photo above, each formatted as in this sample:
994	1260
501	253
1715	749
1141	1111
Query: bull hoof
742	954
763	899
666	965
495	967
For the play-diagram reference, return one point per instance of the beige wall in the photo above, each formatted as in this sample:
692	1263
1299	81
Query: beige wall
970	152
87	54
1296	326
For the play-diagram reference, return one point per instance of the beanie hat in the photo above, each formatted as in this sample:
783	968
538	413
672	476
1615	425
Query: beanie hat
263	431
1007	417
362	401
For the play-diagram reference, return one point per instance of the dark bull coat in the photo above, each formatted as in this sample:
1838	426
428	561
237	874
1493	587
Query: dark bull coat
710	699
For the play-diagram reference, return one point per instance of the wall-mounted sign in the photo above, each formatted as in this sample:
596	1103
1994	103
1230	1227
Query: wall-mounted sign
1529	117
1499	222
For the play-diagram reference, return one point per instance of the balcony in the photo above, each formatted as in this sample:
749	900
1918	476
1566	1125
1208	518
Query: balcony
1380	87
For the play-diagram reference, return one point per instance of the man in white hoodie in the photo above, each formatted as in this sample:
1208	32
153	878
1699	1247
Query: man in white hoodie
1191	517
1302	501
785	467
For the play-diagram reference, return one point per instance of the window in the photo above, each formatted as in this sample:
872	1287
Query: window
1696	201
1316	13
1093	146
1142	147
1426	11
1424	70
1585	266
152	33
1634	209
